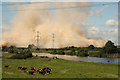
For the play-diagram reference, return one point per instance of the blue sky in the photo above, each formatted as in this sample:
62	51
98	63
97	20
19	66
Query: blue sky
107	13
102	21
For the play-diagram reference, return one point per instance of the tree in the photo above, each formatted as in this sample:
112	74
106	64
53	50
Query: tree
82	54
32	46
38	49
4	48
110	48
91	47
61	52
11	49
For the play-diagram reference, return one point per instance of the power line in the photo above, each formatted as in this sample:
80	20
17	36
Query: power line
67	7
37	40
21	3
53	39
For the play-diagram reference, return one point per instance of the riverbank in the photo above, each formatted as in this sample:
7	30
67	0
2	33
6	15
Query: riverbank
117	55
76	58
103	55
80	54
60	68
108	56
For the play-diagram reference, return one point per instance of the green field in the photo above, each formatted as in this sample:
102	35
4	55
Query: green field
60	68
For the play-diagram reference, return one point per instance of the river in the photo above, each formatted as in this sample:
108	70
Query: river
86	59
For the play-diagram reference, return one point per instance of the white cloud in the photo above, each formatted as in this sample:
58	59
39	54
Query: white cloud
94	29
98	12
114	30
110	34
111	23
87	24
91	13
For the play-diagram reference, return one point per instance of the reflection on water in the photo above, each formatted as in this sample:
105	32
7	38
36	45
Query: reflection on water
87	59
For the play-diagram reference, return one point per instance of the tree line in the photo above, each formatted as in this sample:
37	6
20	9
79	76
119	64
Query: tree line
109	50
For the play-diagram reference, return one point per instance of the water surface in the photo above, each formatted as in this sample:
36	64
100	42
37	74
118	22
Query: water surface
86	59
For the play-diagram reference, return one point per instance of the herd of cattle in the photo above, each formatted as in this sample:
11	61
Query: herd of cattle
43	71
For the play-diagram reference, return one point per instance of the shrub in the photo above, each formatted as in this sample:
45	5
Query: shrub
82	54
23	55
53	52
93	53
18	56
68	53
61	52
4	48
10	51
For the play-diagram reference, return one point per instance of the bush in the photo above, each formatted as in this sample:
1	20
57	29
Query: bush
4	48
13	51
10	51
24	55
61	52
93	53
82	54
18	56
101	54
118	50
53	52
68	53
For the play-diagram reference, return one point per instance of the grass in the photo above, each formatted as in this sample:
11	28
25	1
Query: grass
7	55
0	68
60	68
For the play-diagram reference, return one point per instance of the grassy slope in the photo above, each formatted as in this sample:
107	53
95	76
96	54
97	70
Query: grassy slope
0	68
60	68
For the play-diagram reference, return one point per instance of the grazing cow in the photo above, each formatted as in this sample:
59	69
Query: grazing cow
46	71
6	66
24	68
39	70
25	71
20	67
43	72
31	72
32	68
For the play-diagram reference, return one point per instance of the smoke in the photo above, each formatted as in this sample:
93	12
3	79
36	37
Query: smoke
65	23
4	43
